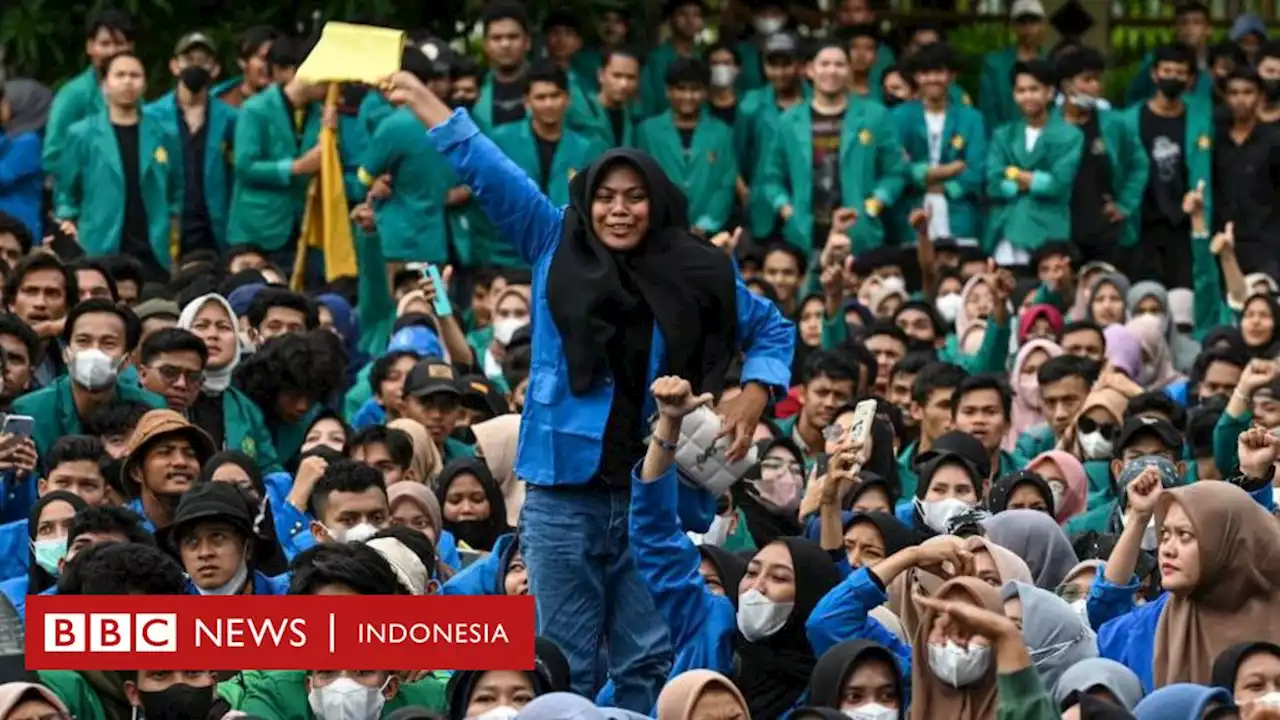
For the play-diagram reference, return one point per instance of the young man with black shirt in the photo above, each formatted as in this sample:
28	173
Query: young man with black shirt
1178	138
1246	169
506	42
1112	176
722	93
610	115
1269	70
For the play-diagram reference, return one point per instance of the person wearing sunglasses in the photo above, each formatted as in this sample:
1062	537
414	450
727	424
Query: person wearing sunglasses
172	365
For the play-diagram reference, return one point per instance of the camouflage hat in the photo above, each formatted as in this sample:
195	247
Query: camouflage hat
1168	471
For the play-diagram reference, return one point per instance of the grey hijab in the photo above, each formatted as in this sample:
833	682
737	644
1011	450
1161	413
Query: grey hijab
30	102
1100	672
1036	538
1053	631
1120	282
560	706
1183	348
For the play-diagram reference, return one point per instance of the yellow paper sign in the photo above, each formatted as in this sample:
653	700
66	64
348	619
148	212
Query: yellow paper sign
353	53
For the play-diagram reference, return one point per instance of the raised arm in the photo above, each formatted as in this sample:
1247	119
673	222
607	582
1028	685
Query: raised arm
523	215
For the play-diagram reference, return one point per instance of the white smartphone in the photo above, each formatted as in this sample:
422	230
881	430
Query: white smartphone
864	414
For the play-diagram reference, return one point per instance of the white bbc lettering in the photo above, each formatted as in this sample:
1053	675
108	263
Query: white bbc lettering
111	632
64	632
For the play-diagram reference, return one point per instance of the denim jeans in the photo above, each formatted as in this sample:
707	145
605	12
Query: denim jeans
587	590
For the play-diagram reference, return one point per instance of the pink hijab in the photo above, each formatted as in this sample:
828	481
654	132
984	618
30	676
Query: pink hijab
1157	370
1076	493
1026	395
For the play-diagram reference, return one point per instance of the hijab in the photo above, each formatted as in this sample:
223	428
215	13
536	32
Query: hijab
680	695
477	534
998	498
419	495
1227	665
216	381
1036	538
1026	394
426	456
463	684
13	694
688	285
30	102
1076	492
933	699
1124	350
1109	399
765	523
268	556
1237	597
896	536
774	672
38	579
1094	672
1028	318
826	687
729	567
1084	291
1157	370
963	321
882	462
1115	280
1271	348
907	584
1180	701
348	327
1009	566
497	440
560	706
1183	350
1054	633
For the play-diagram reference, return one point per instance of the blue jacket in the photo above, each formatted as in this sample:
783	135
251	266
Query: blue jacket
15	591
484	576
22	180
15	555
220	133
262	584
1127	632
561	434
17	496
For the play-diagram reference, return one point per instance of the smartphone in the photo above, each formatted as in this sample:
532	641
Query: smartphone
864	414
468	557
18	425
444	308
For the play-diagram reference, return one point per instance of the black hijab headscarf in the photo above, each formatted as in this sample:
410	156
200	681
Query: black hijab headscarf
477	534
463	684
728	566
774	672
998	499
1271	348
764	523
688	284
1227	664
896	536
38	579
268	557
836	665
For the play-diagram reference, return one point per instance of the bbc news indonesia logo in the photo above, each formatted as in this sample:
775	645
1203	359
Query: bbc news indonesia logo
288	632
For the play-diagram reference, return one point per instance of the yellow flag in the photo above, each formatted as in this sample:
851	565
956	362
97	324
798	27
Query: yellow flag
325	221
353	53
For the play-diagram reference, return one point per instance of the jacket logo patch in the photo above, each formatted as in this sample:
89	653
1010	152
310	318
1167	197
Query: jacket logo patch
1099	147
249	447
162	156
1204	143
711	156
572	172
957	142
864	137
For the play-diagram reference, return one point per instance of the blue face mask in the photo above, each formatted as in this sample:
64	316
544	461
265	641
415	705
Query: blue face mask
49	553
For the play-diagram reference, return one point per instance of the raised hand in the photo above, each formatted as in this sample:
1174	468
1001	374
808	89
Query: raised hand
1258	449
675	397
1143	493
1224	241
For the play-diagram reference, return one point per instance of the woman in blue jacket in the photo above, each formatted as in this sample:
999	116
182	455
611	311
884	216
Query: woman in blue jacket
47	530
860	678
236	468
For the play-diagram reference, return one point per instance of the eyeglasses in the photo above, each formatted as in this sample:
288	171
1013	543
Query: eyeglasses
1088	425
777	465
833	432
1071	593
170	374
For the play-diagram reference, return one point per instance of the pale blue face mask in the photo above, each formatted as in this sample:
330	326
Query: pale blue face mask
49	553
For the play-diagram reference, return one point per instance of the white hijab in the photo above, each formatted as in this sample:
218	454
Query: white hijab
215	381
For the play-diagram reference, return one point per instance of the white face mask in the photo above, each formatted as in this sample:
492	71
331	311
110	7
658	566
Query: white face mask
759	617
723	76
505	712
1081	607
769	24
1149	540
356	533
937	513
1084	102
948	304
94	370
958	666
1057	490
232	586
346	699
505	328
893	282
717	534
870	711
1095	446
1271	699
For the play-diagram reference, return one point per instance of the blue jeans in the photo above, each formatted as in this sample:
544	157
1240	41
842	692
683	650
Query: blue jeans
587	589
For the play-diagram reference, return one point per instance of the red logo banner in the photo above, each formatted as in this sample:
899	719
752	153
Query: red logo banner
283	632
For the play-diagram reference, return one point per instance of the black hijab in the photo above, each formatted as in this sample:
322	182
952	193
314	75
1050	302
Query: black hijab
764	523
38	579
836	665
477	534
998	499
1271	348
689	285
1227	664
774	672
268	557
896	536
728	566
463	684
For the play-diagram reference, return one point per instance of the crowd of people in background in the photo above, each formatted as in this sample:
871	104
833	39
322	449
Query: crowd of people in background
573	256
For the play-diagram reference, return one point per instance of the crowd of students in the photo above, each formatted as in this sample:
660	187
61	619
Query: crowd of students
1066	313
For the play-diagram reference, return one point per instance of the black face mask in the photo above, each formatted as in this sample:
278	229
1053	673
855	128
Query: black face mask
195	78
1272	89
177	702
891	101
463	104
1171	88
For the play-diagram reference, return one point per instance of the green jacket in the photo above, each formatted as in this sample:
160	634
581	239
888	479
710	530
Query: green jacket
587	117
653	79
1226	436
871	165
1097	519
455	449
991	355
1129	168
908	478
1142	87
288	437
995	88
963	138
268	199
755	123
92	190
74	101
1037	439
74	692
282	695
1041	214
482	111
220	126
413	221
55	412
245	429
707	171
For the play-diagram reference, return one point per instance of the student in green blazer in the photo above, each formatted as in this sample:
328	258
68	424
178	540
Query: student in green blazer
275	156
120	192
506	45
946	148
685	20
757	119
610	116
190	112
251	56
863	43
694	149
106	32
612	31
861	157
1193	29
995	85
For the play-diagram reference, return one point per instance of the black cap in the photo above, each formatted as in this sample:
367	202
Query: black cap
1163	430
955	446
783	44
479	393
211	500
432	376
